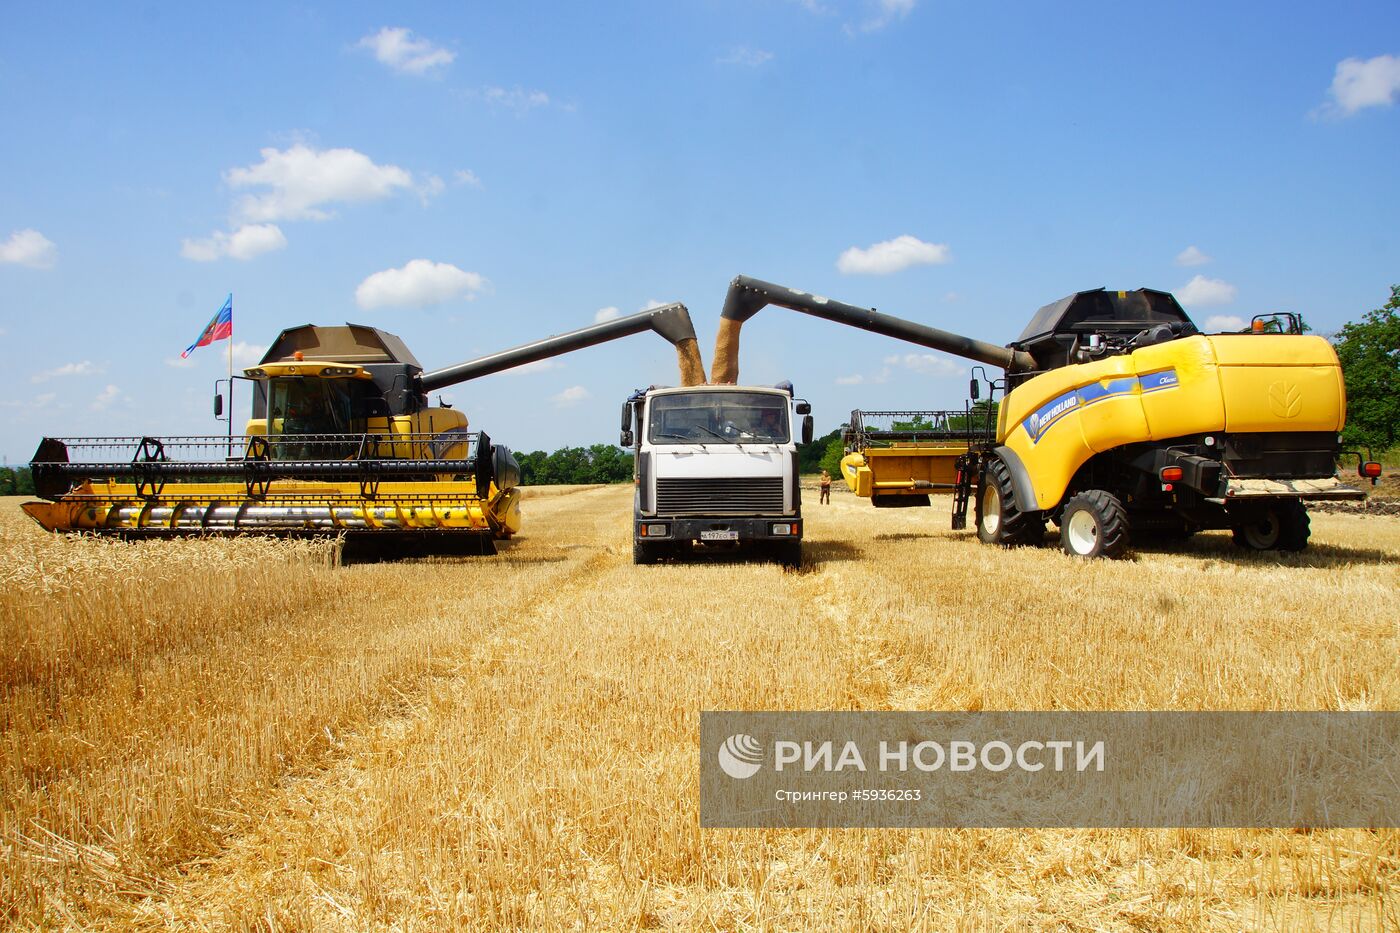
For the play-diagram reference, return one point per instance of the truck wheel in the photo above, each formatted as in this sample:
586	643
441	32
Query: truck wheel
1281	525
788	553
644	552
1094	524
999	519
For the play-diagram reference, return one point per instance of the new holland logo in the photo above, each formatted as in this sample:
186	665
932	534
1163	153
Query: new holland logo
1285	399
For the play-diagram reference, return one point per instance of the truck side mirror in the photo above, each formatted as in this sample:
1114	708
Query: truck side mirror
974	388
802	408
807	429
626	439
218	406
626	416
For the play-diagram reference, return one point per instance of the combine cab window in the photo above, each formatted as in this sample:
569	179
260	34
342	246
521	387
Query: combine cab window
299	406
738	417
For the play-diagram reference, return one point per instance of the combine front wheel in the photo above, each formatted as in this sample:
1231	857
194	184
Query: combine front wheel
1094	524
999	519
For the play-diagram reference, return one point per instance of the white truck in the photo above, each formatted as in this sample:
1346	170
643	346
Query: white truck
716	468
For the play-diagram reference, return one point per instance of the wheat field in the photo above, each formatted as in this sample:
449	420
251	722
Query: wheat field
240	734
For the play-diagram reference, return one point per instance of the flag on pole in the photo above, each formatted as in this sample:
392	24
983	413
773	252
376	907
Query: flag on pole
220	328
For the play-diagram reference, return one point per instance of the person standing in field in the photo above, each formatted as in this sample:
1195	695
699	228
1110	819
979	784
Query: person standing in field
826	488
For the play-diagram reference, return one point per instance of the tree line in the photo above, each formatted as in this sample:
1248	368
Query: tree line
16	482
568	466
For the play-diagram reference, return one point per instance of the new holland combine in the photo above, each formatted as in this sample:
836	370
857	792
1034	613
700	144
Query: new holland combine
342	440
1118	415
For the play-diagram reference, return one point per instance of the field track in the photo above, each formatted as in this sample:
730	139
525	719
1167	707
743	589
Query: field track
238	734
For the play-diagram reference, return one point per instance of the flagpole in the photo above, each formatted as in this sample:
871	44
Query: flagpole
230	374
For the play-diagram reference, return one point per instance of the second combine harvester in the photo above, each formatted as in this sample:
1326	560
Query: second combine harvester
342	440
1118	416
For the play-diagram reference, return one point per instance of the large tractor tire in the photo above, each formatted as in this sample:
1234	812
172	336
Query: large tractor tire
1094	524
1280	525
1000	520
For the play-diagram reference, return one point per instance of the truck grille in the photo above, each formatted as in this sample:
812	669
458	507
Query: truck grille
731	496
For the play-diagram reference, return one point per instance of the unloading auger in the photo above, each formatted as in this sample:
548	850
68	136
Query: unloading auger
342	440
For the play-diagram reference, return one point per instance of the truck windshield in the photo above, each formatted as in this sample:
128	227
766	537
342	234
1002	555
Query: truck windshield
704	417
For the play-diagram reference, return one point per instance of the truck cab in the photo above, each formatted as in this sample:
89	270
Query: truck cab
716	468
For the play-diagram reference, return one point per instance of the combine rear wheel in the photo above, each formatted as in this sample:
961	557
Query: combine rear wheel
1280	525
999	519
1094	524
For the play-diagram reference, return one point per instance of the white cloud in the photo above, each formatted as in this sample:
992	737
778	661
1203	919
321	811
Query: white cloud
746	57
1191	256
652	303
885	12
398	48
606	314
933	364
419	284
244	243
1358	84
854	380
892	256
431	187
465	176
302	181
181	362
1202	292
29	248
247	354
571	396
516	98
1222	323
85	368
538	366
106	398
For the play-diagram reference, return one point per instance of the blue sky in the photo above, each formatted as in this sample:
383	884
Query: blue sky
475	176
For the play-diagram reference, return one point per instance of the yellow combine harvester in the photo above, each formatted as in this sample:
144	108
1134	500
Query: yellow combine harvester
342	440
1118	413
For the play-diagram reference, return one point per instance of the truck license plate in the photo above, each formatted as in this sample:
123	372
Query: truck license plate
719	536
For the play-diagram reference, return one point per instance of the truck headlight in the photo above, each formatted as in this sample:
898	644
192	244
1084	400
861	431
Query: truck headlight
785	529
655	531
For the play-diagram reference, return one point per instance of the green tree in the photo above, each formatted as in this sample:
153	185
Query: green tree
1370	353
831	460
599	463
984	417
16	482
809	456
530	466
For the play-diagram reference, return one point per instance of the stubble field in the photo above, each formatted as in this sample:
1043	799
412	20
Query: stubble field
241	734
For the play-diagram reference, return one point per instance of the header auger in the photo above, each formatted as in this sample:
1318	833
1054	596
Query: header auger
342	440
1118	416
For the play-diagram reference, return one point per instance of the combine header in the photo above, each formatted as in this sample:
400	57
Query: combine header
342	441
